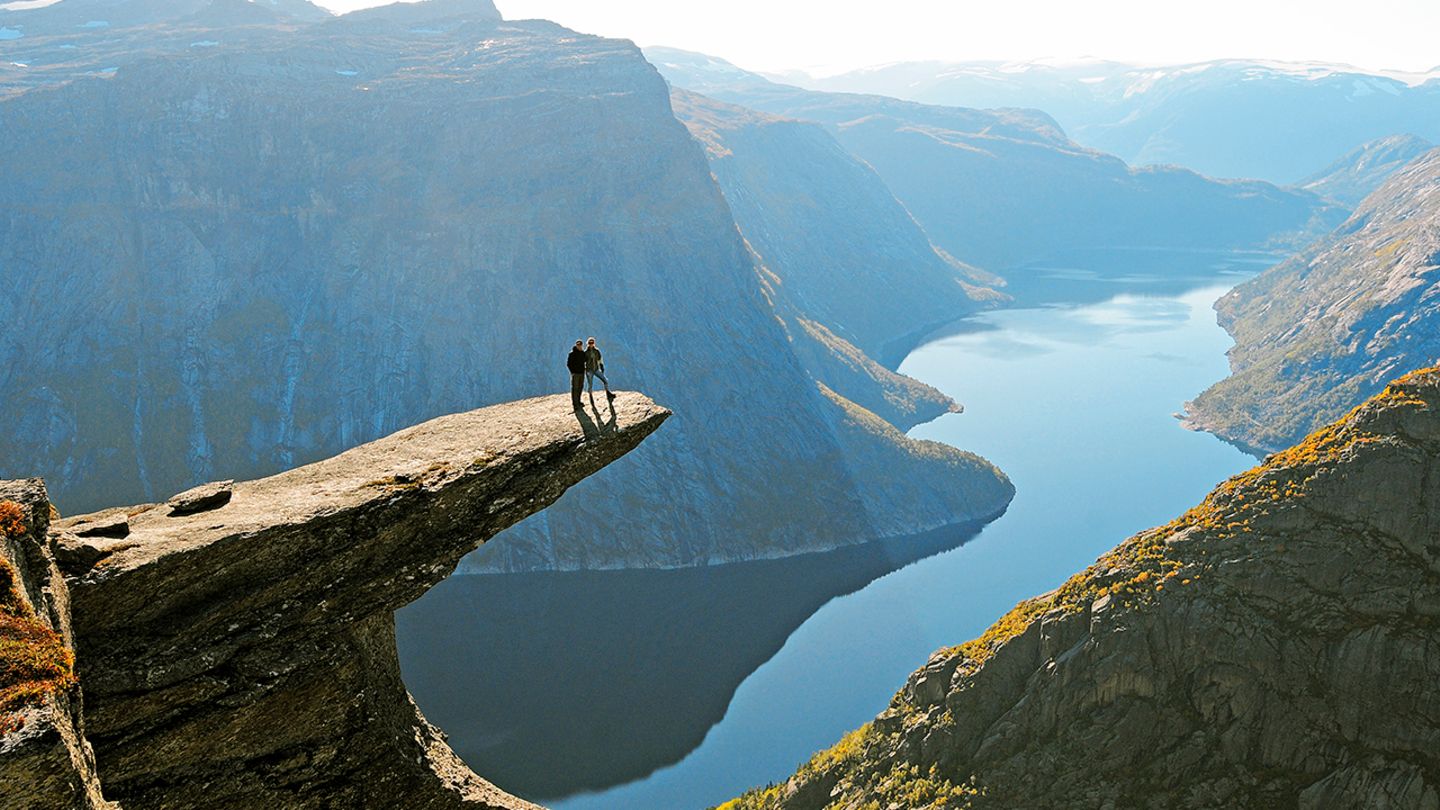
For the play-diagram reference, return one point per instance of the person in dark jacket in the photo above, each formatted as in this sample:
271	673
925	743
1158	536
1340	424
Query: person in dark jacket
595	367
576	363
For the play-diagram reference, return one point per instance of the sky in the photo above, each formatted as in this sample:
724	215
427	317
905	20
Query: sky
826	36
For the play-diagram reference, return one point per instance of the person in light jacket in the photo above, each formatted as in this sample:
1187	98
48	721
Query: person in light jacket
595	367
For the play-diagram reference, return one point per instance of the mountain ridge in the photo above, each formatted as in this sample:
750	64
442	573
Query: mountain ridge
1274	120
1003	188
1322	331
1360	173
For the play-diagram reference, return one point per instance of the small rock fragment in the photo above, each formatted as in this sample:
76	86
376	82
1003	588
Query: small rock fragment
114	524
202	498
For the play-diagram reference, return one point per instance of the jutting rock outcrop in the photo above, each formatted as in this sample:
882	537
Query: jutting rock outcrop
1276	646
240	651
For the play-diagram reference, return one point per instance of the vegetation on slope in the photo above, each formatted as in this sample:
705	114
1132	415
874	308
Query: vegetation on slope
34	661
1320	333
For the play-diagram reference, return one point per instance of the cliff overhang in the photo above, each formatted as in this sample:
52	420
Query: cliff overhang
236	646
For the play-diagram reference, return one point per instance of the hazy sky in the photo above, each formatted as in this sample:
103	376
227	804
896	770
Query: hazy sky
829	36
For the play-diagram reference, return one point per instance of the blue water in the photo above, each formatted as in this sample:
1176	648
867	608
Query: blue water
1074	402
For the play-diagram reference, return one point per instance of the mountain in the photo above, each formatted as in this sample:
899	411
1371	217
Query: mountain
1354	177
1270	648
1004	188
76	18
1319	333
249	255
1269	120
853	275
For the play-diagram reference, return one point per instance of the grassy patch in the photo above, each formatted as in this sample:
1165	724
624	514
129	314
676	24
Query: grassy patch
34	661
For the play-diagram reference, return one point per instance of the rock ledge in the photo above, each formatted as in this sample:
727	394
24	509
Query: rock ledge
244	656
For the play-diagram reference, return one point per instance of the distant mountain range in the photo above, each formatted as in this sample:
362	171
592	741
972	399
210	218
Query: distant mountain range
1002	188
1276	121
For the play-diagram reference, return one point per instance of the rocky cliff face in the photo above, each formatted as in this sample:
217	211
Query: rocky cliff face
1361	172
1319	333
848	253
850	273
1001	188
259	245
45	761
236	644
1273	647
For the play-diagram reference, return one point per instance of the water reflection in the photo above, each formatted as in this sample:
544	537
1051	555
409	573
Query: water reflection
1093	276
554	683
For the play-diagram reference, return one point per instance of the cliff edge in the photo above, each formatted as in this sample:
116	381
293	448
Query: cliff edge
236	645
1273	647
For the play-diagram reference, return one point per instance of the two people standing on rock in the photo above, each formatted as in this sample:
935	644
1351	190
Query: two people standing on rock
586	363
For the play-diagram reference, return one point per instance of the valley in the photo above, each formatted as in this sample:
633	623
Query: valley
729	683
926	338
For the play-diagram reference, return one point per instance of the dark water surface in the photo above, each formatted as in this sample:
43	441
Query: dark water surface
656	689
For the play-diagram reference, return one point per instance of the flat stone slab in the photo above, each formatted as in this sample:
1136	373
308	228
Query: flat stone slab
202	498
111	523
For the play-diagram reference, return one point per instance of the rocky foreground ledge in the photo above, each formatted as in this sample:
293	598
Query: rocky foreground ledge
1276	646
236	646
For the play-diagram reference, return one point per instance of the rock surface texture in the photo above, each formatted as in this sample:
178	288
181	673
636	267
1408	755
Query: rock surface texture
1318	334
45	761
1276	646
244	656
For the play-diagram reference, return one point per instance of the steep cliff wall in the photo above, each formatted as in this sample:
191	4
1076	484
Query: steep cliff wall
850	256
236	644
1276	646
851	274
259	252
45	761
1319	333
